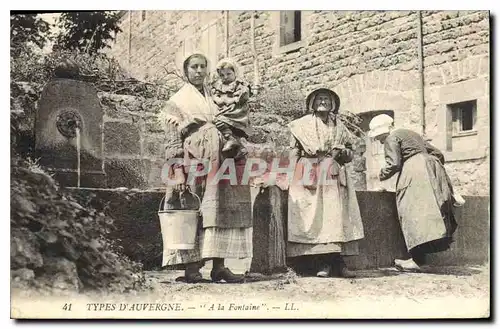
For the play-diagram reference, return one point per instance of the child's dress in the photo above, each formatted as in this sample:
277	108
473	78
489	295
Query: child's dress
231	99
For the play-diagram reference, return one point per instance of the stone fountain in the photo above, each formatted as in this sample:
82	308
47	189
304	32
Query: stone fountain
69	131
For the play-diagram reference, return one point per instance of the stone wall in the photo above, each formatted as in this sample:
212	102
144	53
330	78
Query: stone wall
133	141
138	228
128	144
456	49
369	58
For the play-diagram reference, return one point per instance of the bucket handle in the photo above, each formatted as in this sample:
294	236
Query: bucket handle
162	201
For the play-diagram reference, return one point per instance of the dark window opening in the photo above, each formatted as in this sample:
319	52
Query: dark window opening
297	23
143	13
367	116
290	27
463	116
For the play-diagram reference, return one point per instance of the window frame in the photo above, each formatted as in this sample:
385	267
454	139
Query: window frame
457	111
291	47
452	133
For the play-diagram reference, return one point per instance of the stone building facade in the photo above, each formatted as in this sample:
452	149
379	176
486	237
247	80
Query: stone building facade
429	69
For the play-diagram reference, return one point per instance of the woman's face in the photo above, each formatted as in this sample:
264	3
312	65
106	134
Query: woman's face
196	70
323	103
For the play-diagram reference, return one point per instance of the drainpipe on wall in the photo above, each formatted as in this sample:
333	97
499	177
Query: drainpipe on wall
129	37
226	31
421	69
254	52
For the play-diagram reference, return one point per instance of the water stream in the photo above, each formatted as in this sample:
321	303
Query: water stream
78	151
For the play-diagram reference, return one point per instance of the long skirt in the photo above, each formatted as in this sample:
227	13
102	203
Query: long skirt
323	220
294	249
211	242
425	206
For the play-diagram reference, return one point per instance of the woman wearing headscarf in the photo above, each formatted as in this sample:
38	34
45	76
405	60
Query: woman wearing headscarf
424	192
324	221
225	230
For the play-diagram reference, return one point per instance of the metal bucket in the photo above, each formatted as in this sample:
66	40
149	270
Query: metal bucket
179	227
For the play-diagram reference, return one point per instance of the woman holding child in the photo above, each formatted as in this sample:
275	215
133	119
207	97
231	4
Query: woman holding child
324	220
191	119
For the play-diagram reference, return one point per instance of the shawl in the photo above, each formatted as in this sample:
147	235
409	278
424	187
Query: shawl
316	136
188	106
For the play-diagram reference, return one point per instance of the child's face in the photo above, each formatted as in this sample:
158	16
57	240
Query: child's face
227	75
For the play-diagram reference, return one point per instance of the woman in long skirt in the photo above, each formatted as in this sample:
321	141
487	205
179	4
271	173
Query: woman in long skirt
424	193
226	227
324	221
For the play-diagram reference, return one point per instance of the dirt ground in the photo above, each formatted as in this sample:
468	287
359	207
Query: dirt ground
444	292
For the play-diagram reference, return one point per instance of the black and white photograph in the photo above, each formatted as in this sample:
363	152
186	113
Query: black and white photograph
250	164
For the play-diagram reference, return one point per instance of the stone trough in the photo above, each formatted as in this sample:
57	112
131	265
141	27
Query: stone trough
138	230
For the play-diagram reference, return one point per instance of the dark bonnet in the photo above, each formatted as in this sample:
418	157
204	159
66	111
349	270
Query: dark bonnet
334	95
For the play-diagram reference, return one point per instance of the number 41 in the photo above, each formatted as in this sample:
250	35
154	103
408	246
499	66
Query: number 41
67	307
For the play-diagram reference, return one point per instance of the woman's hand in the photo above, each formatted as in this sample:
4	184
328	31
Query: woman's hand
187	129
259	182
180	179
321	155
347	153
380	189
342	156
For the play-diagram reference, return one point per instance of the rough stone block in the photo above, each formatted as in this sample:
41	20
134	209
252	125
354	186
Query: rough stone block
392	80
472	68
131	173
446	71
269	211
382	80
472	238
87	179
154	145
462	91
433	77
484	66
359	181
373	80
121	139
359	164
155	174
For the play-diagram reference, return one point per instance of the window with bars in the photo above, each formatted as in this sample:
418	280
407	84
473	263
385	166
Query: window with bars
290	27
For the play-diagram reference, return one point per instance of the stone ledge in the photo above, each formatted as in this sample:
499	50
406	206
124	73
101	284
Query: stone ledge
290	47
465	155
465	133
138	228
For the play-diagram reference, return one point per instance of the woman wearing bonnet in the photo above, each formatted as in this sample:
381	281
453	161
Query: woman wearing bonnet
424	193
226	227
324	221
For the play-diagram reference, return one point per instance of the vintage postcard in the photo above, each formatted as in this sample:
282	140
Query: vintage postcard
189	164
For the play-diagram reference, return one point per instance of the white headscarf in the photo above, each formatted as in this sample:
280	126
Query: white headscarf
188	104
229	63
183	65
